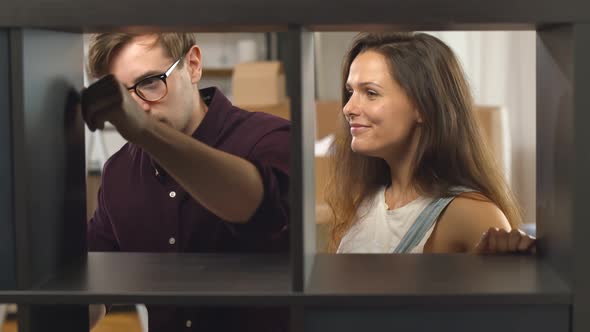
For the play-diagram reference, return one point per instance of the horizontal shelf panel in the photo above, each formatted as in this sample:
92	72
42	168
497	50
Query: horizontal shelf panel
433	279
336	280
455	318
213	279
226	15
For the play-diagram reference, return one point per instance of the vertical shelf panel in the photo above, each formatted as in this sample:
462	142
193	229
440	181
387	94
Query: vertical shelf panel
308	119
563	158
7	241
48	168
555	142
50	200
292	49
301	89
581	193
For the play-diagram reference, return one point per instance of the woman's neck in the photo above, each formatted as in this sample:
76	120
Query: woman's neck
402	188
397	196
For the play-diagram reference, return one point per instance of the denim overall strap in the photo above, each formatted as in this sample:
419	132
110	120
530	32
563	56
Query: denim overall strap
425	221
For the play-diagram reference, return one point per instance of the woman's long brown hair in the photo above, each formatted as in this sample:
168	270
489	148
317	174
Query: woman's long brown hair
451	151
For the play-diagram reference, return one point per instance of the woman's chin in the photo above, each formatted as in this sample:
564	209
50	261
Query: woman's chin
360	149
368	151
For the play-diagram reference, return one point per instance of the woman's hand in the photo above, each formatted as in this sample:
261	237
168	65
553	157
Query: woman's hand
499	241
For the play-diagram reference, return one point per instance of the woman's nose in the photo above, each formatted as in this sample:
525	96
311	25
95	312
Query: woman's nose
350	109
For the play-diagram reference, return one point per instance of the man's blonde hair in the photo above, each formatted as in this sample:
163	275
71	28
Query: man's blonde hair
104	46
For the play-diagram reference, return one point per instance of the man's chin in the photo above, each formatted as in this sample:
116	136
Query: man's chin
166	122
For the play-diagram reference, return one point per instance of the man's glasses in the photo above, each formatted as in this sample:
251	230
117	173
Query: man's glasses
153	88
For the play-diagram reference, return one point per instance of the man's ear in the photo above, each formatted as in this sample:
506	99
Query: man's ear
194	64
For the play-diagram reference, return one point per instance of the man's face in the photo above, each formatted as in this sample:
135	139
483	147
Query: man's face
143	57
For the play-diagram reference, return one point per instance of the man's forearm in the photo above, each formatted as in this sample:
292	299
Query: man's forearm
228	186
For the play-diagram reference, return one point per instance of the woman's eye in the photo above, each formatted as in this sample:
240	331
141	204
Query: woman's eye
372	93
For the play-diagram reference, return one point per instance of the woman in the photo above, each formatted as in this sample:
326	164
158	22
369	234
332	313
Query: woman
410	170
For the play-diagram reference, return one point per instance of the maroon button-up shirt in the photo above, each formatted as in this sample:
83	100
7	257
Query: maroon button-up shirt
142	209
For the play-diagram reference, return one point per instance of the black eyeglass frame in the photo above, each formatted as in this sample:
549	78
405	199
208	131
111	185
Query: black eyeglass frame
161	77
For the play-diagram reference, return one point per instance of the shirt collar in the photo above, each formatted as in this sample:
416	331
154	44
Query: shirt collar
210	127
218	109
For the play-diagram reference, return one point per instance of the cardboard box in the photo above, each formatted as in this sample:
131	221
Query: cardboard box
327	114
281	110
92	186
321	177
259	83
493	125
323	213
327	117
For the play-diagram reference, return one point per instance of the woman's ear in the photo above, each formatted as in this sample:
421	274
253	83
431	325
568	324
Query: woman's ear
418	116
194	64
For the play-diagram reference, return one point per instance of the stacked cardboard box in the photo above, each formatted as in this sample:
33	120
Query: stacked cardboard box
260	87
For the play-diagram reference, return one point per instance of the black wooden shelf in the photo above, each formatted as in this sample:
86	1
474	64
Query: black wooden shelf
343	293
212	279
340	280
369	279
227	15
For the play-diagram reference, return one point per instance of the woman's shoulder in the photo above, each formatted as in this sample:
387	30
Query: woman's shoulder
472	208
466	218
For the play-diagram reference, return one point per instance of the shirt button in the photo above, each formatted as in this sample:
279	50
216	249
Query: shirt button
172	240
189	323
172	194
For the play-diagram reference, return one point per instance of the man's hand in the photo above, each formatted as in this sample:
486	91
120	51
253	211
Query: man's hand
499	241
108	100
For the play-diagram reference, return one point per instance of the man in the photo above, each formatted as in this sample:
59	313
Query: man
198	174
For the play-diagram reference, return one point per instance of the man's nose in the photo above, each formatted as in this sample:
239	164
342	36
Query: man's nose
144	104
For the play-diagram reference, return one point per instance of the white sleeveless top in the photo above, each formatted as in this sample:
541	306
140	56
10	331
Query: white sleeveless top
379	230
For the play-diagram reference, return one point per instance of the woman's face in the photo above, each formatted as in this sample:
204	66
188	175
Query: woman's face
382	118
